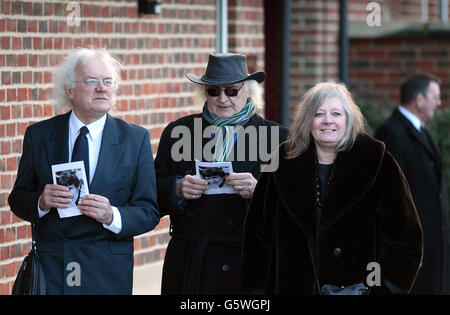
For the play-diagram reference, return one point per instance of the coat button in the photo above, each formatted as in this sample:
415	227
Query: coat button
225	267
337	252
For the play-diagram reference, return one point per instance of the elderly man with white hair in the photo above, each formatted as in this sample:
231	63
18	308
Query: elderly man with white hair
91	253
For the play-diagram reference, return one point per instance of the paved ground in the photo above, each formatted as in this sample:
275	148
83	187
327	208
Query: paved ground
147	279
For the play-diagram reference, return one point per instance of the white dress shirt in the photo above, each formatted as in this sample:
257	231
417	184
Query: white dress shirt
94	142
411	117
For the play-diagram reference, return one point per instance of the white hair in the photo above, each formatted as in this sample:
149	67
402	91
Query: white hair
255	89
64	75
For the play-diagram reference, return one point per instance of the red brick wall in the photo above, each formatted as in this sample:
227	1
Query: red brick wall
314	44
377	66
246	30
157	50
395	11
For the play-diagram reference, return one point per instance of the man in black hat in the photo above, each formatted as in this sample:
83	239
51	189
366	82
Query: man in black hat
203	256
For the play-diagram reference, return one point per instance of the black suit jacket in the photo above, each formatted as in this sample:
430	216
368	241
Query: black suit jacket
421	163
124	174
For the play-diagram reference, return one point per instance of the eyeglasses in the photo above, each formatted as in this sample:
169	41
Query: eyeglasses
94	82
229	91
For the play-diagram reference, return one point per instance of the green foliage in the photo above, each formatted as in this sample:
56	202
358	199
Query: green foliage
439	127
375	116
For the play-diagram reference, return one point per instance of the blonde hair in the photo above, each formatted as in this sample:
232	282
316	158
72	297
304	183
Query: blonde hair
255	90
64	75
300	133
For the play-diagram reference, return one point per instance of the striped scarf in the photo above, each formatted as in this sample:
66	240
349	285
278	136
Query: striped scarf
227	128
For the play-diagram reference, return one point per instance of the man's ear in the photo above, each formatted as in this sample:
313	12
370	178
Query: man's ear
69	92
419	100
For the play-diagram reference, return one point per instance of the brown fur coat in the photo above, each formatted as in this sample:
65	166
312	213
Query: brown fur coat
368	216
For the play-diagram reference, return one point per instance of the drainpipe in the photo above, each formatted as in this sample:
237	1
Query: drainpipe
221	26
443	10
285	62
343	43
424	10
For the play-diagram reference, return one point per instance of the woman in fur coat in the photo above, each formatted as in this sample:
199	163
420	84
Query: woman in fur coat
339	199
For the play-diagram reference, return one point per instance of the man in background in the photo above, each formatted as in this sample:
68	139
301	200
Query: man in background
411	144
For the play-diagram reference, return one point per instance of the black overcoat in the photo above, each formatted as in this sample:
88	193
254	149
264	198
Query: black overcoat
203	255
368	216
422	165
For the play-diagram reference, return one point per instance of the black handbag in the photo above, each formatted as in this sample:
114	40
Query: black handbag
329	289
30	280
353	289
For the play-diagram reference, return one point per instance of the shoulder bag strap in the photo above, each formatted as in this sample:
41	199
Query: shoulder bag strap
33	235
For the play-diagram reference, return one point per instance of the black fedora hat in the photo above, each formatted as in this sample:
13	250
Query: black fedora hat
223	69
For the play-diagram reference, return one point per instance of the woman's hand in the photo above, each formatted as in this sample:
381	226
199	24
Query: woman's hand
243	183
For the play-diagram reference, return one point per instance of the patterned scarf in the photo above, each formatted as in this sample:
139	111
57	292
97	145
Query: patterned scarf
227	128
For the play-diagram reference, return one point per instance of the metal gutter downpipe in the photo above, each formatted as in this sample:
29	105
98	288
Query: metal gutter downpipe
222	26
343	43
285	63
443	11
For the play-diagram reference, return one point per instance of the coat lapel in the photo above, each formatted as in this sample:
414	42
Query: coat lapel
111	151
435	150
412	131
295	183
58	144
353	174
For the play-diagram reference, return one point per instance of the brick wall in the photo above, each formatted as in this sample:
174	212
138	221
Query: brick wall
374	65
379	65
246	30
314	44
396	11
157	50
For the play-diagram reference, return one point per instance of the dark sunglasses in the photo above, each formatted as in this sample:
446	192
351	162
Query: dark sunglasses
229	91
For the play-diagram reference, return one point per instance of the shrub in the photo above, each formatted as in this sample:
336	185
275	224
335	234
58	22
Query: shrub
439	127
375	115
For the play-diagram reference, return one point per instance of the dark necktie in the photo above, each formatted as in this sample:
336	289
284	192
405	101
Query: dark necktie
81	150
